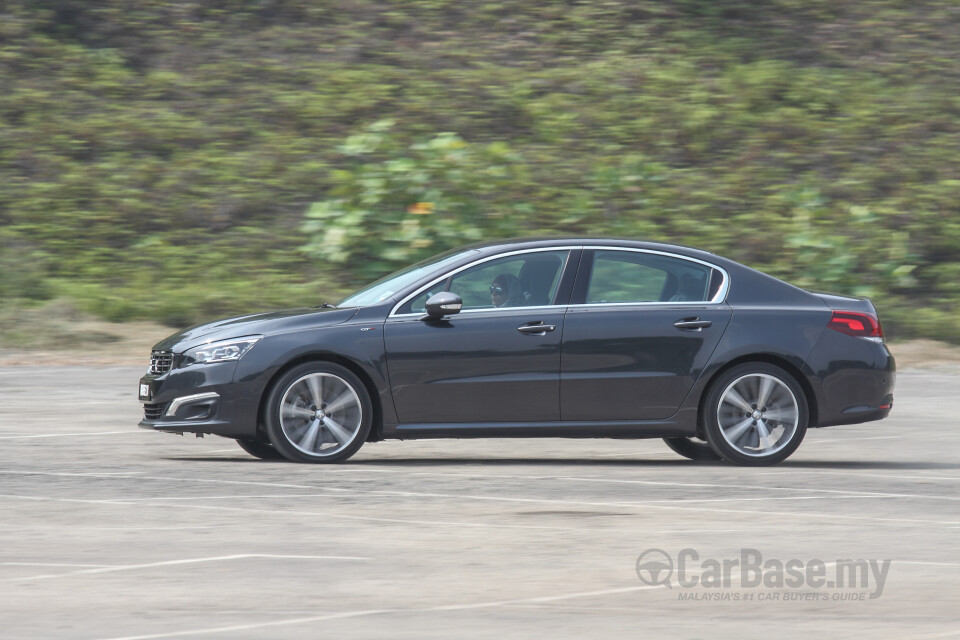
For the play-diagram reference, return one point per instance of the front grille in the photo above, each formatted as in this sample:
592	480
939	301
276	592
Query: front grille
160	362
152	411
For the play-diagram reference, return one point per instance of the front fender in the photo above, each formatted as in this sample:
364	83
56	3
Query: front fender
359	344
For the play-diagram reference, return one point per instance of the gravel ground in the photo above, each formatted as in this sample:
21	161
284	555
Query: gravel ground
110	531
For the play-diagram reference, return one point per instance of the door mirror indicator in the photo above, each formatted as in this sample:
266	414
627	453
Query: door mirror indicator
442	304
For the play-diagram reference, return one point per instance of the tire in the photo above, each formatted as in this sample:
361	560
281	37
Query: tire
318	412
692	448
260	449
755	415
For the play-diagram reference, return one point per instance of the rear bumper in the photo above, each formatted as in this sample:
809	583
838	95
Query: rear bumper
854	379
856	415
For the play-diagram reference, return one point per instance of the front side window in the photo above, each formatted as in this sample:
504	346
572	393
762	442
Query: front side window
629	276
386	287
523	280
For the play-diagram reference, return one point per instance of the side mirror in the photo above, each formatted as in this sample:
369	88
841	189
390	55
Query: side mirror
442	304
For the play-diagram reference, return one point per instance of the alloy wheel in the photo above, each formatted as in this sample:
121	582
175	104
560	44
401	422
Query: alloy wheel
758	414
320	414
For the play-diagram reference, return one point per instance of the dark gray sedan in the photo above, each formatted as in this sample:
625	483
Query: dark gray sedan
577	338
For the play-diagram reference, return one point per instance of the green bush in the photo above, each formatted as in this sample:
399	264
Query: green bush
391	204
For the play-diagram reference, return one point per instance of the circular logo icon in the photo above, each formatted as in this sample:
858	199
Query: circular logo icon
654	567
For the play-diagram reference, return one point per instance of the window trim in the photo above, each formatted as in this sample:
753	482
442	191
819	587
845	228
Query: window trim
566	264
718	298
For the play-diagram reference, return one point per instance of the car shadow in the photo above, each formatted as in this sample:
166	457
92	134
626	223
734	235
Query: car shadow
893	465
901	465
805	464
240	457
600	462
427	462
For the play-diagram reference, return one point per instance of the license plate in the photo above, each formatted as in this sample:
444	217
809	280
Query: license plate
145	391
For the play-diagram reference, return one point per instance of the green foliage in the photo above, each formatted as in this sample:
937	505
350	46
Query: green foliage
172	160
391	204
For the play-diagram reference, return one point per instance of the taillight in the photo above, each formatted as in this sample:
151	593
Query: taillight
854	323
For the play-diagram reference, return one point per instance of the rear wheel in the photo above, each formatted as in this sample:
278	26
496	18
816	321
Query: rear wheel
260	449
755	414
692	448
318	412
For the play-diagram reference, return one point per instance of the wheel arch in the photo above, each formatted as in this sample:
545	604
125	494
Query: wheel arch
376	428
767	358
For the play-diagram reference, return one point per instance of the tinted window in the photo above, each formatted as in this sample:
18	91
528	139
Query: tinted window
524	280
628	276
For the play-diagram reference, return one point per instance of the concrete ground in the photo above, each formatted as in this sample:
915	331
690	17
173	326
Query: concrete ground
110	531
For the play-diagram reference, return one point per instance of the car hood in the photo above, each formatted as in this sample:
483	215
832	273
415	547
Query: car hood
258	323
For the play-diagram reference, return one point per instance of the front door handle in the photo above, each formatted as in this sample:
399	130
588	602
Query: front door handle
692	324
536	328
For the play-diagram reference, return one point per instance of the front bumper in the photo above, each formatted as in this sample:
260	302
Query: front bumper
200	399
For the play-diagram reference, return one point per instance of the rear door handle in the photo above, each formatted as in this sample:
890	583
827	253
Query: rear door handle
692	324
536	328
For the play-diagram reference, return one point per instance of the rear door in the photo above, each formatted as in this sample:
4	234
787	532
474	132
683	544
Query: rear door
641	327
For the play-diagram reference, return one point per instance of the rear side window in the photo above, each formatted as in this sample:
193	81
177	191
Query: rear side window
629	276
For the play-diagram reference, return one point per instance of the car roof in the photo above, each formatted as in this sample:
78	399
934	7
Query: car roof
509	244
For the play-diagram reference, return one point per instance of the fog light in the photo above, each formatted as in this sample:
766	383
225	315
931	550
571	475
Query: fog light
198	407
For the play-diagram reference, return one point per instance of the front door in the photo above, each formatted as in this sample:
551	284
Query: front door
498	360
476	368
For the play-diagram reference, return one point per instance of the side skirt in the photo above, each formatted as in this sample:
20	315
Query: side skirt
617	429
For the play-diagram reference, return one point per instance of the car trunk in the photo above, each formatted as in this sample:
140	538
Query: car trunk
846	303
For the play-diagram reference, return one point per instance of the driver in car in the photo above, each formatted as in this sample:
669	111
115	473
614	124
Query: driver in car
506	291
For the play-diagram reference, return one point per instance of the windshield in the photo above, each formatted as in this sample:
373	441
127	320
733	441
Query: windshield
391	284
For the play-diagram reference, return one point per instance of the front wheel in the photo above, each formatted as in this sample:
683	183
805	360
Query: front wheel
755	414
318	412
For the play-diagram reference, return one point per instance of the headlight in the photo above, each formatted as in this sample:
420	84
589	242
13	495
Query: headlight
222	351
